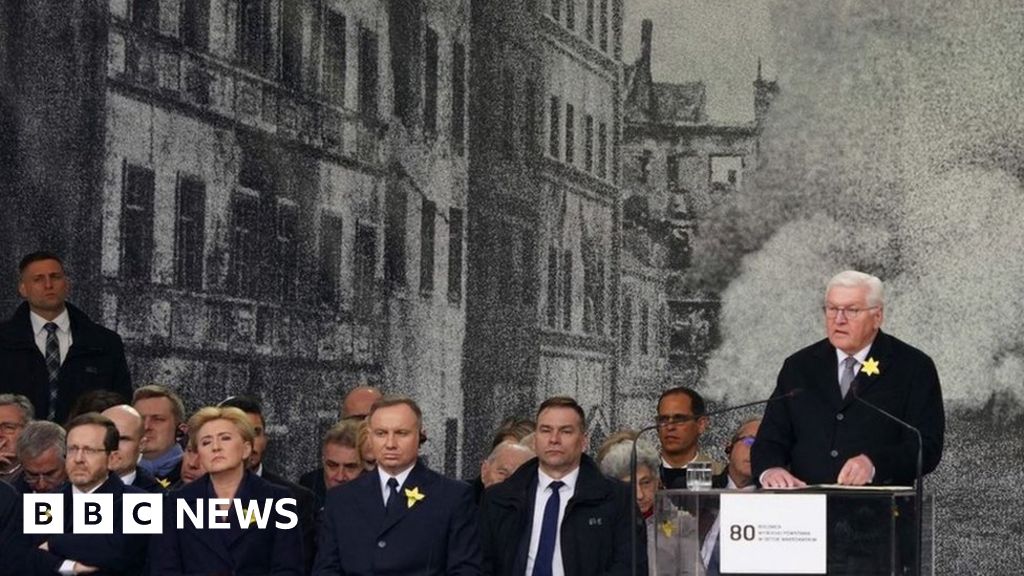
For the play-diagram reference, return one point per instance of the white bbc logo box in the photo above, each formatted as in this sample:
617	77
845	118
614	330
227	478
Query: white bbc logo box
92	514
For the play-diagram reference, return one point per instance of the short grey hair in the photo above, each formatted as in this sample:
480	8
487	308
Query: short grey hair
616	461
38	437
22	402
514	446
855	279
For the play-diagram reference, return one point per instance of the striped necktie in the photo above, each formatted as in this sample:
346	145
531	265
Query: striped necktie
52	365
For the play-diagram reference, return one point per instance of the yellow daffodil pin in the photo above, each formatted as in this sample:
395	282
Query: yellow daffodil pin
163	482
870	367
251	516
413	496
668	528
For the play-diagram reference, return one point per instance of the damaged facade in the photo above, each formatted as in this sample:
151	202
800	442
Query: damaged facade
676	166
262	196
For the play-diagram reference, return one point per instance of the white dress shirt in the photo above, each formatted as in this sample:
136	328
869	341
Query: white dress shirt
63	323
540	501
384	477
860	356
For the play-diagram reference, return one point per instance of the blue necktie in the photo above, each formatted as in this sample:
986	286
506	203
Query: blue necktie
52	365
543	564
391	507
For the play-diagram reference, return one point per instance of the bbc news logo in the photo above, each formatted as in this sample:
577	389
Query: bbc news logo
144	513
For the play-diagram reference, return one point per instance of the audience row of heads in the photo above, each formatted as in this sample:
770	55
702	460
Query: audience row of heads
155	423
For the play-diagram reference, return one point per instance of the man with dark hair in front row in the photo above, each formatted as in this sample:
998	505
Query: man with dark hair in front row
91	439
340	458
681	422
403	518
558	514
51	351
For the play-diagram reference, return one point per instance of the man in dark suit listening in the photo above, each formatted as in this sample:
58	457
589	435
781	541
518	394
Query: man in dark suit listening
823	435
91	439
403	518
51	351
557	515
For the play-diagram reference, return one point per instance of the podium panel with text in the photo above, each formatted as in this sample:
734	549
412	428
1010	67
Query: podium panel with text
840	532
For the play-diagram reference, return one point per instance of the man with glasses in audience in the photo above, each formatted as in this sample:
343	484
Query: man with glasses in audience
824	435
41	453
681	422
15	412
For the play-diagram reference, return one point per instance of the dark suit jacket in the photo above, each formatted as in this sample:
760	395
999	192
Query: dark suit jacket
307	514
14	546
144	480
314	482
435	536
815	432
113	554
94	361
235	550
595	531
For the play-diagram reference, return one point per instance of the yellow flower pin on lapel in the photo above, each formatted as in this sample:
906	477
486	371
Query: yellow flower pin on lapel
251	516
163	482
413	496
870	367
668	528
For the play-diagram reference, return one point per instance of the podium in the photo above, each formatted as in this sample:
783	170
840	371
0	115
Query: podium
822	530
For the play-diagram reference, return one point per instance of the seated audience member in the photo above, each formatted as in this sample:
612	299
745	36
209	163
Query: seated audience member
681	422
14	545
191	468
163	416
124	461
95	401
526	526
340	461
404	519
503	461
511	430
41	453
15	412
613	459
223	438
358	401
91	438
736	476
307	508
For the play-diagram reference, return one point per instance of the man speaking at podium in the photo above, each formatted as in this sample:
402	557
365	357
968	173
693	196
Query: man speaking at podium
824	435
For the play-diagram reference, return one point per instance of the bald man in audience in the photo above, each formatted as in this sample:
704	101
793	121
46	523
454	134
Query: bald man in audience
125	460
358	401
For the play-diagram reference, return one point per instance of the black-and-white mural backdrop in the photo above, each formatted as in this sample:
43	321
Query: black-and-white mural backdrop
481	204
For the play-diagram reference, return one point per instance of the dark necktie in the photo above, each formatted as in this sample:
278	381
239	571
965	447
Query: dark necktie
543	564
849	364
392	505
52	364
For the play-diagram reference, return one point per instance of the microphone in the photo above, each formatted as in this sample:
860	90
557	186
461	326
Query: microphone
918	480
681	420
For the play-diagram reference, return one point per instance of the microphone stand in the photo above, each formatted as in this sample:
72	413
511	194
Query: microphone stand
919	480
632	457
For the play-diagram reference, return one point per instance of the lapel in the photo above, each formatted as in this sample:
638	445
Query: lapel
199	492
249	492
826	374
419	479
369	500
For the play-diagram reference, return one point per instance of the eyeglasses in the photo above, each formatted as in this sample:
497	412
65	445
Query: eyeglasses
669	419
89	451
10	427
849	313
